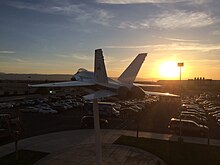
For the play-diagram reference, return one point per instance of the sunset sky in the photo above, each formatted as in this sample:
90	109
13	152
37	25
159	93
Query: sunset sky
60	36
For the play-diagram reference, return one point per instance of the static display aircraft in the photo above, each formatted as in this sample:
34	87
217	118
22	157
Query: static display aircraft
124	87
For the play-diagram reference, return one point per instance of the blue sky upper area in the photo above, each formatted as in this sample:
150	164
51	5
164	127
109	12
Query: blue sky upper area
60	36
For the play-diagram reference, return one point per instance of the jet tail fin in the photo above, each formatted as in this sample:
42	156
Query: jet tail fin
99	68
130	73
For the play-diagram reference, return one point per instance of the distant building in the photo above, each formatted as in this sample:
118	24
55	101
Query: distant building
17	84
8	88
20	87
198	83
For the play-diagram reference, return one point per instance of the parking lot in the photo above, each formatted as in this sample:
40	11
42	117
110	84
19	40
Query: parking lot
57	113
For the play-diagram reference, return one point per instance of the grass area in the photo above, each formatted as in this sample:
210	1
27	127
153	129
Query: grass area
26	157
174	153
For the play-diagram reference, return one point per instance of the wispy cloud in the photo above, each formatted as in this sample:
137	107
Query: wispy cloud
110	60
179	39
53	7
134	25
79	12
180	46
183	46
102	17
149	1
216	32
82	57
19	60
126	60
205	61
76	56
211	64
85	13
15	59
183	19
6	52
63	56
173	20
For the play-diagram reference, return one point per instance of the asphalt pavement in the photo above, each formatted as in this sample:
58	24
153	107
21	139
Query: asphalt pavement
77	147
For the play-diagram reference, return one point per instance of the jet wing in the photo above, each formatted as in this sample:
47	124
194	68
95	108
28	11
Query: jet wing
64	84
99	94
146	85
160	94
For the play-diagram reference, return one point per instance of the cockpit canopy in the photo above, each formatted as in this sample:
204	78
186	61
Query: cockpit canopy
81	70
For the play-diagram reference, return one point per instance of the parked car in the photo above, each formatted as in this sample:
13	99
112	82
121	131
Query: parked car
187	126
194	113
218	122
193	118
88	122
197	111
214	112
4	125
106	109
46	110
4	120
210	110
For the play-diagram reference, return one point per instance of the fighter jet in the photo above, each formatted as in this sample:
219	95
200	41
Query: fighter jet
124	87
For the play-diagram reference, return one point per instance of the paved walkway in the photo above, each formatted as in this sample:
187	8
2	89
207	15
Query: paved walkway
77	146
84	154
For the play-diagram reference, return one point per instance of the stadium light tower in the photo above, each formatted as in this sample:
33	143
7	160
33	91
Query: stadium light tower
180	65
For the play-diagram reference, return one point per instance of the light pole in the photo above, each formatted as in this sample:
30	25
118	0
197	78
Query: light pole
180	65
98	143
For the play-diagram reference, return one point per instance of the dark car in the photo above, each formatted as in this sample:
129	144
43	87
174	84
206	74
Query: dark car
188	126
88	122
194	118
4	125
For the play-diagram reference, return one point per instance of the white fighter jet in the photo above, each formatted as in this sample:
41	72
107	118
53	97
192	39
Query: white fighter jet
124	87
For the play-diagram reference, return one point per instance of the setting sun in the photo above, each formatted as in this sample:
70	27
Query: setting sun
169	70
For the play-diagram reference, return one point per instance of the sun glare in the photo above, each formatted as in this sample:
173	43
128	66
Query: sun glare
169	70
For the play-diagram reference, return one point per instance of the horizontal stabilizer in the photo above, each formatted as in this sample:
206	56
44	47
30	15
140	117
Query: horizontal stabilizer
99	94
64	84
146	85
161	94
